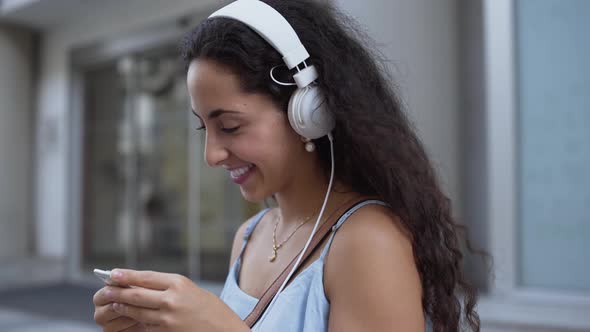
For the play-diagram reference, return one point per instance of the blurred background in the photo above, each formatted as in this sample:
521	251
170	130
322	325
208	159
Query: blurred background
100	166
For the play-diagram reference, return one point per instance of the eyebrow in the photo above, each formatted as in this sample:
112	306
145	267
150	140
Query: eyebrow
216	113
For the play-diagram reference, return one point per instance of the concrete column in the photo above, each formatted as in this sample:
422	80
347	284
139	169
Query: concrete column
16	114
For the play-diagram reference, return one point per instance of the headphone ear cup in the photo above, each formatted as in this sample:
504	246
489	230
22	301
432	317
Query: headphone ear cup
308	115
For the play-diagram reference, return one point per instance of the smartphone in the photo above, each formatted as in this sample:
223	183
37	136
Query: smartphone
105	276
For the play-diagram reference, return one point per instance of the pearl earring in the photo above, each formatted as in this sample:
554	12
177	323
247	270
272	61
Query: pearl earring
309	145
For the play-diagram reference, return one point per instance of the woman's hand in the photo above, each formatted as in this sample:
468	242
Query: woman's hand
108	318
162	302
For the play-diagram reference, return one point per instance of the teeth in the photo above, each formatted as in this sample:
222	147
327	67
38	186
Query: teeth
236	173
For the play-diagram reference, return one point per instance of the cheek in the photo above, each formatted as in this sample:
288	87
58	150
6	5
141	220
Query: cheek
282	158
272	144
265	154
272	151
283	143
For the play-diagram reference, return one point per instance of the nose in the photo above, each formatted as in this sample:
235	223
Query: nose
215	152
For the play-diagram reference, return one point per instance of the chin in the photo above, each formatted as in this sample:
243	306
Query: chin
255	190
253	196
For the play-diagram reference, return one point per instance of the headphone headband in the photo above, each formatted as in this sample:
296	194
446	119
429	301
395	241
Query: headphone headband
306	111
270	25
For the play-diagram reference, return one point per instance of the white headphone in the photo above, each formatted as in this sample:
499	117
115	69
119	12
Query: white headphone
307	114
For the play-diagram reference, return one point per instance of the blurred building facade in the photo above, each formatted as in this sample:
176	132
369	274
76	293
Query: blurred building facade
100	167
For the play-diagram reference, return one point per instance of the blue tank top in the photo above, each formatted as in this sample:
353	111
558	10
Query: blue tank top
302	305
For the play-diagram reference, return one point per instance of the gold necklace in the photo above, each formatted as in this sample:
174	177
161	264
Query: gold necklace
276	247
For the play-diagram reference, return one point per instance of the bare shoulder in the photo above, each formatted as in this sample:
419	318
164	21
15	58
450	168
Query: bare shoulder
370	270
239	240
372	230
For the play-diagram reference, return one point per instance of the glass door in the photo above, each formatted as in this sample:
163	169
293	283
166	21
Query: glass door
149	201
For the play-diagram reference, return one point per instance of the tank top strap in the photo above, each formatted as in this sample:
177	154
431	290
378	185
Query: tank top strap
343	219
250	228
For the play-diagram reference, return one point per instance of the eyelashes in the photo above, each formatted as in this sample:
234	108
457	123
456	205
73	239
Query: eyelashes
225	130
200	125
230	130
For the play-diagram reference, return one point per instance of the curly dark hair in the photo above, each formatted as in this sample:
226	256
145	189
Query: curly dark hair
376	148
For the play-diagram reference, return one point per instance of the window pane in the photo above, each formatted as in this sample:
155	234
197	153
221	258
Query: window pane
554	133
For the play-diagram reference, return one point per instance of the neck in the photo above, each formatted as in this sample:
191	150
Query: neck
300	203
305	195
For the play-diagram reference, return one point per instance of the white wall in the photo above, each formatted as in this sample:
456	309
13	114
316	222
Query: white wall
16	47
420	39
99	21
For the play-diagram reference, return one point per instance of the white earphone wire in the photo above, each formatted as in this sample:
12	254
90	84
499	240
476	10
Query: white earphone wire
277	81
331	139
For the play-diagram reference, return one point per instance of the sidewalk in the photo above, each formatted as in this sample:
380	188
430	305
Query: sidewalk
35	297
17	321
56	307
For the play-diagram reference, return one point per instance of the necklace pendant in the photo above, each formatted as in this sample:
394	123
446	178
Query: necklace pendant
273	257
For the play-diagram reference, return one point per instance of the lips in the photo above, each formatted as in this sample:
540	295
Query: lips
239	175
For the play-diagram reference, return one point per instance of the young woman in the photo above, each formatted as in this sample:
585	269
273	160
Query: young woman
394	264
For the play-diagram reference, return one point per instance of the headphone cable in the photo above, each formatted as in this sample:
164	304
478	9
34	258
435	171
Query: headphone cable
331	139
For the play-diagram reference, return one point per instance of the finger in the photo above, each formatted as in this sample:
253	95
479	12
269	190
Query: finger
139	297
104	295
120	324
142	315
147	328
138	327
99	298
146	279
105	314
155	328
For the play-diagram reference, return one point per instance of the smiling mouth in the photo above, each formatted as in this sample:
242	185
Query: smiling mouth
239	175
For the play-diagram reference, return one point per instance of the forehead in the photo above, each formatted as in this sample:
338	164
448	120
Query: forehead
213	86
208	80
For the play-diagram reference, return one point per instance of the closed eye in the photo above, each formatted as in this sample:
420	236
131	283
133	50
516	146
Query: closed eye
230	130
